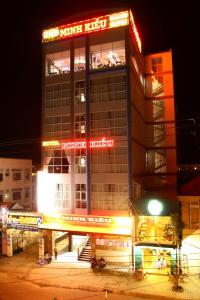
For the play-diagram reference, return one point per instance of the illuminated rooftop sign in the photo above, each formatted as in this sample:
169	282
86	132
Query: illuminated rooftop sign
87	26
119	19
80	144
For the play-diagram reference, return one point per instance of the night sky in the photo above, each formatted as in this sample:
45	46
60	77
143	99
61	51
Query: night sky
162	25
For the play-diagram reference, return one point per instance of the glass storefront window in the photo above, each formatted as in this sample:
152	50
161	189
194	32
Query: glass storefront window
79	59
107	55
57	63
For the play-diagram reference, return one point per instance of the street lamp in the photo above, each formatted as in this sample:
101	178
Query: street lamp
155	207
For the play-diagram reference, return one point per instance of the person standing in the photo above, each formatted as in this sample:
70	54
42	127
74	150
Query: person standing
164	263
55	253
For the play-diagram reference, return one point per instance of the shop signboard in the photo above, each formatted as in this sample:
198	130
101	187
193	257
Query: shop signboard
23	221
88	223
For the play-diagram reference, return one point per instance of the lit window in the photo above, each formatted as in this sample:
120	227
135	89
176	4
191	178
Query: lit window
107	55
57	63
80	125
79	59
79	91
82	97
82	162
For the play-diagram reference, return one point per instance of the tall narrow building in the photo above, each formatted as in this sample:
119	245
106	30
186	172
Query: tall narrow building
108	129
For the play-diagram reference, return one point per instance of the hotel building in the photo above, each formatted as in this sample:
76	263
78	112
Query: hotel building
108	130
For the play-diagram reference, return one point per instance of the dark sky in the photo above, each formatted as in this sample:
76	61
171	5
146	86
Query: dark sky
162	25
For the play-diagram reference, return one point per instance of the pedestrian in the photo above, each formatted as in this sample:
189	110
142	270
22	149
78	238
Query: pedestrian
164	263
55	253
158	264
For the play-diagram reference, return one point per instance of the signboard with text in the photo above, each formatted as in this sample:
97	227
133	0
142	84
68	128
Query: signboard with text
80	144
86	26
25	221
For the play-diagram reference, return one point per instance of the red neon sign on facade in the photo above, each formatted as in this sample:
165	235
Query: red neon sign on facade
87	26
83	144
84	27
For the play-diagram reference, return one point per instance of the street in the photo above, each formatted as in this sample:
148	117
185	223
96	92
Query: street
21	278
16	285
20	290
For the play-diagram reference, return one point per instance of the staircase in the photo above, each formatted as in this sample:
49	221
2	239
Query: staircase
85	254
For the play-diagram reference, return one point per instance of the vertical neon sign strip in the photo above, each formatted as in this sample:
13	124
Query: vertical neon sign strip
135	32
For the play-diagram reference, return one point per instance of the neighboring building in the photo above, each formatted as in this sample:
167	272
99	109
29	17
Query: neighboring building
15	190
108	128
16	182
189	196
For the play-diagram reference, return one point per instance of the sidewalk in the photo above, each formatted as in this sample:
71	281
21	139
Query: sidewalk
78	275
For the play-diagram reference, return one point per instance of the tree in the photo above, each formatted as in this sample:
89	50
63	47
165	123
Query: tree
176	227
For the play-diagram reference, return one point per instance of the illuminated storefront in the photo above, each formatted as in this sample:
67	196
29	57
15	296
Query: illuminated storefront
155	247
21	230
105	131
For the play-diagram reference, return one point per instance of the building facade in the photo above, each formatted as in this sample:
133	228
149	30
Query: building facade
189	196
108	129
16	181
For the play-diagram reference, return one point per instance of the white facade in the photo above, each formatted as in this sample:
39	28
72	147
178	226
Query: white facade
16	181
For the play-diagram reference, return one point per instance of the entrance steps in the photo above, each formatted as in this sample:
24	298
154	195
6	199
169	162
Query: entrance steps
85	254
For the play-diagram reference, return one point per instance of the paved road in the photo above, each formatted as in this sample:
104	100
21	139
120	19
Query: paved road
14	289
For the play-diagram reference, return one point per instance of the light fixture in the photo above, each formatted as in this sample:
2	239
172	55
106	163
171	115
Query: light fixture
155	207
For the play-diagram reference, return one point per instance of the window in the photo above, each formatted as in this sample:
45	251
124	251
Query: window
57	63
156	64
108	89
194	213
62	197
107	55
79	92
27	193
57	95
58	163
57	127
16	195
80	161
79	59
80	125
7	194
113	123
109	196
27	174
81	196
17	176
1	176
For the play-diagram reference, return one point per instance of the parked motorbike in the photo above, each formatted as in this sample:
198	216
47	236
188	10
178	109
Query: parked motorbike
44	261
97	263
